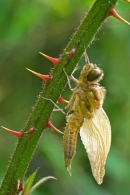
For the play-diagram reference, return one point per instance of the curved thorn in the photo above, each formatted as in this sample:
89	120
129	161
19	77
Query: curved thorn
16	133
51	126
46	78
112	12
55	61
62	100
31	131
20	186
72	52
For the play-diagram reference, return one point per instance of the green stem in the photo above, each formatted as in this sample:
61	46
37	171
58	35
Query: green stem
43	108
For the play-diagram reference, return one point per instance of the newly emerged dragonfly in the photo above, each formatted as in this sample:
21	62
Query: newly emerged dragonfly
88	117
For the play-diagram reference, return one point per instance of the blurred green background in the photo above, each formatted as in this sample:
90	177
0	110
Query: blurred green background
27	27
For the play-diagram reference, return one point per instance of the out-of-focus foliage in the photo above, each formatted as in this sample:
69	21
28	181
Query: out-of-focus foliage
27	27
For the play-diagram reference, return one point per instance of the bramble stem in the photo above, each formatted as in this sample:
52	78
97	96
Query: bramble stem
42	110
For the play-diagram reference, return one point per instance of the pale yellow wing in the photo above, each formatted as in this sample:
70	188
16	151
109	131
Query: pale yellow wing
96	137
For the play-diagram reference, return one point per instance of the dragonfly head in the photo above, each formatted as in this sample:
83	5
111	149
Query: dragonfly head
91	73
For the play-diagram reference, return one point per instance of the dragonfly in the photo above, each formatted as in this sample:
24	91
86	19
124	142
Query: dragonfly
86	116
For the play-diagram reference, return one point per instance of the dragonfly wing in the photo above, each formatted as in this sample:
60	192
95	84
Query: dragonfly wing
96	137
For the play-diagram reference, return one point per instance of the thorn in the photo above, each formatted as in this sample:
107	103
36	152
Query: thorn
31	131
46	78
51	126
55	61
16	133
112	12
20	186
127	0
62	100
72	52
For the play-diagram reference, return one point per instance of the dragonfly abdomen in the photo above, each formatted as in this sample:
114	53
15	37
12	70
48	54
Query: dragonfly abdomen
74	122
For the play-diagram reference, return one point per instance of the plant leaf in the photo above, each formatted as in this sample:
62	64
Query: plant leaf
39	183
29	182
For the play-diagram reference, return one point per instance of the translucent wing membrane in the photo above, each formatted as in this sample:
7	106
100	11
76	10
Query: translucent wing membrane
96	137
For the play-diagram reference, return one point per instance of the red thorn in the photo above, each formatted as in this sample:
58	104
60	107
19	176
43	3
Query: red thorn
31	131
112	12
127	0
55	61
72	52
46	78
20	186
51	126
16	133
62	100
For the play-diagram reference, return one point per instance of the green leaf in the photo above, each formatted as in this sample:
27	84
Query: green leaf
39	183
29	182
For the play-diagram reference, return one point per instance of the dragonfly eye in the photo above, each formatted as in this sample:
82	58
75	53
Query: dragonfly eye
94	74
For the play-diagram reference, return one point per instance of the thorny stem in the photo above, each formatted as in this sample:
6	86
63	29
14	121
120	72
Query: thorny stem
43	108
